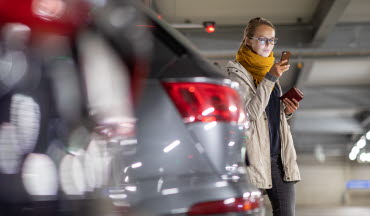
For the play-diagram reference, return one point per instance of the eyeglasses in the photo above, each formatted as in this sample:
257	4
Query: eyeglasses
264	41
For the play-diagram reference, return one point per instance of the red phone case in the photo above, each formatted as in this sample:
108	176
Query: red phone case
293	93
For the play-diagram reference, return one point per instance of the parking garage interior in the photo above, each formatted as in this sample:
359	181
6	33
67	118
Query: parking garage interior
330	63
100	113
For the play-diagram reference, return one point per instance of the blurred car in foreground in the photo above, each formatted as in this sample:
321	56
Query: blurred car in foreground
117	115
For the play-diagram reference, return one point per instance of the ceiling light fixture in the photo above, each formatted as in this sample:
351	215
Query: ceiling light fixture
209	26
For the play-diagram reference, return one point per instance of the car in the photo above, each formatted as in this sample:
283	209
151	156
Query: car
131	120
188	157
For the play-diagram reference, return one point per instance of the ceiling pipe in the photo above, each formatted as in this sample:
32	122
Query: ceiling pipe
187	26
296	53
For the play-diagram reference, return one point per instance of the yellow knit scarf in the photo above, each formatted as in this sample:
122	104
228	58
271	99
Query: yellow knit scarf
256	65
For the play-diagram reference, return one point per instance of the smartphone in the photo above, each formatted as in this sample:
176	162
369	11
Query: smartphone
285	55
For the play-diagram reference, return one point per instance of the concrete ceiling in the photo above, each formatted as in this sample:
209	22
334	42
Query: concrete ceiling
331	38
351	71
236	12
356	11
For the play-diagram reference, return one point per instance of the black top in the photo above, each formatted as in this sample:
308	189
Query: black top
273	116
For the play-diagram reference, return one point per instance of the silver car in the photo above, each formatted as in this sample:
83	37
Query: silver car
120	117
188	156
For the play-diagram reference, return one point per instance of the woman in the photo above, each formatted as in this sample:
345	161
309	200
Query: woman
270	148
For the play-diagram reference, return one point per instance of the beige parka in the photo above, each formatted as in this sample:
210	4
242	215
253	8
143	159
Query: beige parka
258	139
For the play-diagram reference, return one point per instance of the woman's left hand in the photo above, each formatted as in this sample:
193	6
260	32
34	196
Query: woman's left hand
290	106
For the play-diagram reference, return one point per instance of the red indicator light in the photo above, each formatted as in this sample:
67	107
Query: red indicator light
209	26
210	29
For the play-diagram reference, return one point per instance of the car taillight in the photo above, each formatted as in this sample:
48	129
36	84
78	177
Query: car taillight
226	206
205	102
58	16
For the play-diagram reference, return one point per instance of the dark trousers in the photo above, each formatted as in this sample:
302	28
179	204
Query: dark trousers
282	193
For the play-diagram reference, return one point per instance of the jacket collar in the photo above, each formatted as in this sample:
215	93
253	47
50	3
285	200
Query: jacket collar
235	66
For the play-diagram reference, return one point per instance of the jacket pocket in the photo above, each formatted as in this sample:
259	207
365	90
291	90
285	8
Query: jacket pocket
252	145
290	143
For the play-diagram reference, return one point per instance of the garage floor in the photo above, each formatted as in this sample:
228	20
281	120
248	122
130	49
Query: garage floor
328	211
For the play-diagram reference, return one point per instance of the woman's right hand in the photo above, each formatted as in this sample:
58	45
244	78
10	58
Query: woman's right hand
278	69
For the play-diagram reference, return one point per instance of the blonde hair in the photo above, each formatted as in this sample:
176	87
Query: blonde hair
252	26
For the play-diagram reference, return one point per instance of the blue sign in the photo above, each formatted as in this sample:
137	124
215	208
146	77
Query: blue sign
358	184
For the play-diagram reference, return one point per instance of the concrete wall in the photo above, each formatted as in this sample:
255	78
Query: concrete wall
324	184
321	185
